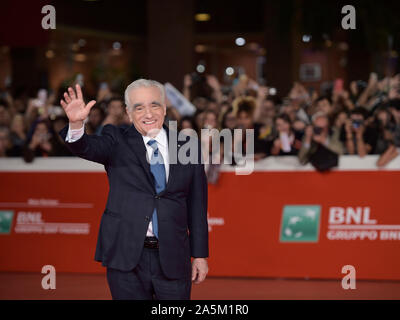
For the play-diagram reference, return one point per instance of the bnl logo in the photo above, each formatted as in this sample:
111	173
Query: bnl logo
6	218
300	223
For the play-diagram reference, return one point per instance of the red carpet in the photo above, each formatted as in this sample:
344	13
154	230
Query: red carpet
92	287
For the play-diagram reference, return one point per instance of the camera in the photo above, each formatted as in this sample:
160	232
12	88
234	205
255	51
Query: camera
357	123
318	130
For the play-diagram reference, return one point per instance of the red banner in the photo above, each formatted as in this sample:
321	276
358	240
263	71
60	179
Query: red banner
267	224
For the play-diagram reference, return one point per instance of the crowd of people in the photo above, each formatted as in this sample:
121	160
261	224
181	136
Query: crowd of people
363	119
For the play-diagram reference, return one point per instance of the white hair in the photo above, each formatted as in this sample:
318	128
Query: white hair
140	83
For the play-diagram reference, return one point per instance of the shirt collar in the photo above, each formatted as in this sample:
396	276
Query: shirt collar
161	138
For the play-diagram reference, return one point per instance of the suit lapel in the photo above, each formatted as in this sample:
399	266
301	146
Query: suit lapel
135	140
172	166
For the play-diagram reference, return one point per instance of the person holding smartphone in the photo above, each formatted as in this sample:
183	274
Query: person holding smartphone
361	139
286	142
39	145
319	132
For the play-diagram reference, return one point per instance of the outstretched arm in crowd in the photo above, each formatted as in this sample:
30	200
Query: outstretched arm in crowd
387	156
368	91
262	94
361	148
214	84
187	83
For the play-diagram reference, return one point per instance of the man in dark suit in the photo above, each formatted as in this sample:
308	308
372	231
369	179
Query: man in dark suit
155	218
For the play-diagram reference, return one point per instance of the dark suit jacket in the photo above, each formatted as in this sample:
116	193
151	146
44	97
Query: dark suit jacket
181	207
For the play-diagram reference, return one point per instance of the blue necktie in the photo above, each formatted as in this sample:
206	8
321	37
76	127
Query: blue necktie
157	168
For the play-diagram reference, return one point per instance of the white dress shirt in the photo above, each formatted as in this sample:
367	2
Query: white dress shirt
74	134
162	143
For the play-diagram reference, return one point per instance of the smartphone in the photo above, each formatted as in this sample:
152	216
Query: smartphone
103	85
357	124
285	142
42	96
80	79
317	130
41	99
44	137
254	86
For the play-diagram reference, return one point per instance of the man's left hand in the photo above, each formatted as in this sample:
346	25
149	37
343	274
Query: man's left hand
199	269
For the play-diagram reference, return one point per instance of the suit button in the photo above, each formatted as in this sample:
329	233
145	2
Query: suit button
147	218
157	197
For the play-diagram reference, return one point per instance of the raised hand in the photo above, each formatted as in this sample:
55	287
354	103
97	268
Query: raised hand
213	82
75	107
262	92
308	133
187	80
